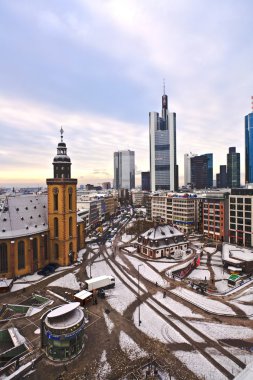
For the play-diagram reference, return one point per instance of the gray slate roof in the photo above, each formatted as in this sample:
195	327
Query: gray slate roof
23	215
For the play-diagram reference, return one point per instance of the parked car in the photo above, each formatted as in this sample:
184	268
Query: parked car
48	269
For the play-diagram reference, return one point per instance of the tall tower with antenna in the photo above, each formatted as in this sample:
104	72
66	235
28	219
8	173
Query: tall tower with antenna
62	217
162	145
249	146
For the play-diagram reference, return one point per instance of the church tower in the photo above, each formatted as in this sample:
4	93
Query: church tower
62	217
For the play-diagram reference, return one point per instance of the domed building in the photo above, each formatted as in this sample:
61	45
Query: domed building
42	228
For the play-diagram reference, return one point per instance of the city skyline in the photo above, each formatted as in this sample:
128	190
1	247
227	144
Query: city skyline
97	68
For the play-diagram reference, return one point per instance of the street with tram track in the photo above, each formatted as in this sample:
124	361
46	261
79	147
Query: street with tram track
147	318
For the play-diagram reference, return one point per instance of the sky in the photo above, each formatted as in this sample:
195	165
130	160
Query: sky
97	67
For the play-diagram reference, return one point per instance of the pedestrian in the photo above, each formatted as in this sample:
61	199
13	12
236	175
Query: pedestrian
156	284
164	294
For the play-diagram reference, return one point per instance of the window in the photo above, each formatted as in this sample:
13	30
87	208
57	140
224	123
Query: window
56	229
3	258
21	254
56	251
35	250
45	248
70	226
55	191
70	198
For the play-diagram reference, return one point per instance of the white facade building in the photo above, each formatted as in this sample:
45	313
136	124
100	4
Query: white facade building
187	167
124	170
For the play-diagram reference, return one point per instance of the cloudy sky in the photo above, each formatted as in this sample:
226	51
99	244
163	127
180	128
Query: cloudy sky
96	68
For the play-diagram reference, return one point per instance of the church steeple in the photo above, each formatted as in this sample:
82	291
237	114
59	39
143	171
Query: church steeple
62	162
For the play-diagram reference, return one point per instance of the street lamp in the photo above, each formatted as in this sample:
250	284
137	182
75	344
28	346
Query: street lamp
139	293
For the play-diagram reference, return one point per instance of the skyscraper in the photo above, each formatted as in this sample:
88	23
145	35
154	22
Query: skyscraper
187	167
145	181
249	146
124	170
209	168
221	177
233	168
162	144
199	171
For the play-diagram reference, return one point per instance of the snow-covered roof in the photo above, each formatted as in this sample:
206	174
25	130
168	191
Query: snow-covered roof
234	254
83	295
162	232
64	309
23	215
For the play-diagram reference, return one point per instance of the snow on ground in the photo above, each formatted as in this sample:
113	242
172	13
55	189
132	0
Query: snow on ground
161	266
121	262
199	274
199	365
68	281
247	309
210	249
222	286
109	323
245	356
99	268
246	296
125	238
203	302
120	297
177	307
222	331
104	368
30	278
130	249
219	273
187	330
224	361
130	348
81	253
147	272
155	327
37	331
16	287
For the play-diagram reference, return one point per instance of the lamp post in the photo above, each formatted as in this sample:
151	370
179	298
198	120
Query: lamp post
139	293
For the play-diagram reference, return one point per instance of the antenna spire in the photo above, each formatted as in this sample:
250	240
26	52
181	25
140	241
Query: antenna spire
61	130
163	86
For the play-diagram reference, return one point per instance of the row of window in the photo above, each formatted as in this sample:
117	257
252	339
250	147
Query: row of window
56	227
21	254
56	200
240	200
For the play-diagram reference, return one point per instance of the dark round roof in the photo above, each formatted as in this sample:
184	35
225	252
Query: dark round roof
62	145
61	158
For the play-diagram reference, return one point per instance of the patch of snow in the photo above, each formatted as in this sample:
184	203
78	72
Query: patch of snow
247	309
121	262
147	272
125	238
210	249
37	331
177	307
16	287
80	254
222	331
200	274
104	368
109	323
227	363
131	348
154	326
68	281
199	365
203	302
120	297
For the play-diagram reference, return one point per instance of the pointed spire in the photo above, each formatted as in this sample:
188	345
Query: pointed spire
61	130
163	86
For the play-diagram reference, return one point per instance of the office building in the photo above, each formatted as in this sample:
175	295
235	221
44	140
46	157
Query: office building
221	177
199	172
145	181
233	168
240	217
163	154
249	147
124	170
209	169
187	168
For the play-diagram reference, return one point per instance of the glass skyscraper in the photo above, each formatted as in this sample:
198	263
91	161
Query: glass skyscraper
249	148
163	155
124	170
233	168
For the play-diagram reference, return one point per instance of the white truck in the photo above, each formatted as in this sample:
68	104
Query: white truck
100	282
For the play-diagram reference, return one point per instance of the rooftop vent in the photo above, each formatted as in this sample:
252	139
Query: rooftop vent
35	206
44	206
22	218
35	226
44	224
31	200
4	219
26	208
17	209
31	217
26	227
39	216
3	230
171	231
162	232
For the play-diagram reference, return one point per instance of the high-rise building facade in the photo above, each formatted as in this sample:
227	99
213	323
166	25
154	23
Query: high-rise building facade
209	169
249	147
124	170
221	177
145	181
233	168
163	154
187	167
199	172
